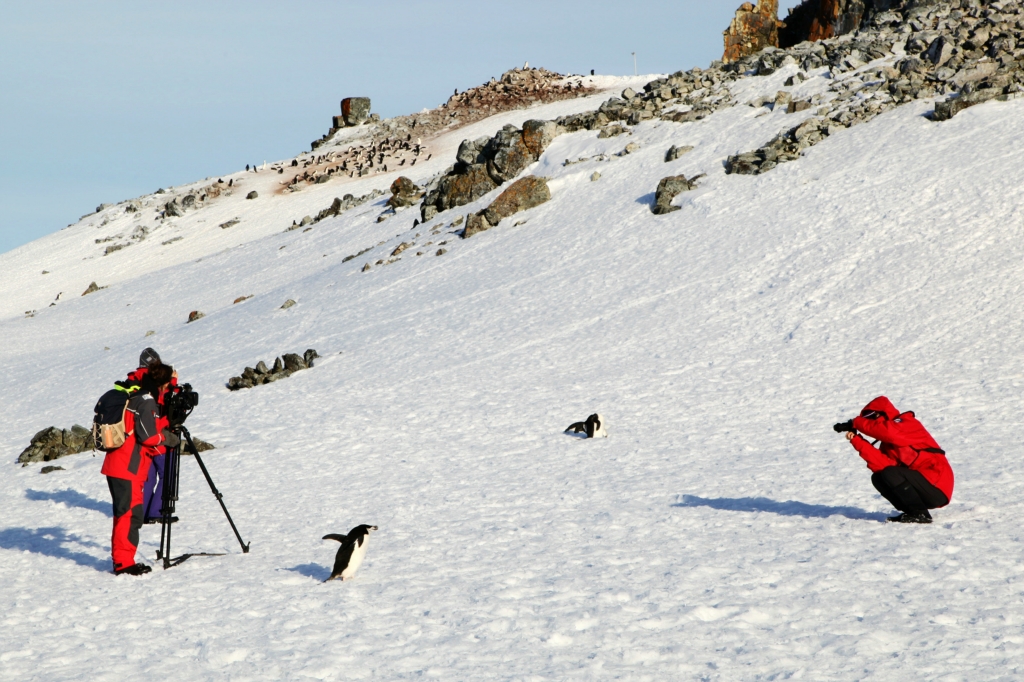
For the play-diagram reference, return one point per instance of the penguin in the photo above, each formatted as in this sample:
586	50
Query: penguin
593	427
352	551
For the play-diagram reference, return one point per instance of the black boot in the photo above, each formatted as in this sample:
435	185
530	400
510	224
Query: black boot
134	569
911	517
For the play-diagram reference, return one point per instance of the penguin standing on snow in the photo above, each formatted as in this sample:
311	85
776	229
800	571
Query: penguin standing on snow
593	427
352	551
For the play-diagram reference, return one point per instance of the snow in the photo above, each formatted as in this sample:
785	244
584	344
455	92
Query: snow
721	532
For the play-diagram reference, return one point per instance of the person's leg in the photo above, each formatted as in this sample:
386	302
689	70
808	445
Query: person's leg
153	491
122	549
910	492
149	508
887	482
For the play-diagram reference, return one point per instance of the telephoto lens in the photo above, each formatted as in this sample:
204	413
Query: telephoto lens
843	426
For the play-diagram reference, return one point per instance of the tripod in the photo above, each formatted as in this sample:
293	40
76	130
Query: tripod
170	496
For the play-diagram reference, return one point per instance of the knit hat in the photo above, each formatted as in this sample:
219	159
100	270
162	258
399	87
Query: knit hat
149	357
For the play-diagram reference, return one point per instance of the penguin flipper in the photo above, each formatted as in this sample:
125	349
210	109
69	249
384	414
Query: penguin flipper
335	536
578	427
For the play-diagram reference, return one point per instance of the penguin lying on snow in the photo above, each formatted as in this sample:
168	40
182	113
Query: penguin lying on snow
593	427
352	551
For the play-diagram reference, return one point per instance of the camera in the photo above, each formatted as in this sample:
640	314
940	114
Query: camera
179	403
843	426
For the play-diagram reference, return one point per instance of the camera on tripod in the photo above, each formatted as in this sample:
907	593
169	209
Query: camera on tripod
179	403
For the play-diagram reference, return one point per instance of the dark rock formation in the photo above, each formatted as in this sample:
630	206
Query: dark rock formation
252	195
284	366
752	30
52	443
675	152
195	315
484	164
92	288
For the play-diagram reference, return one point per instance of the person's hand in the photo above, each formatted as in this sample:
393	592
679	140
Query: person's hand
170	440
850	435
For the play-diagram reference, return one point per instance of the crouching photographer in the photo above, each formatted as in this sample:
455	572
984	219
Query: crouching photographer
909	468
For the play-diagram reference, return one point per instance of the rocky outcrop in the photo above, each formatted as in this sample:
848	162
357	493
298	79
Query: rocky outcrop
355	110
486	163
752	29
52	443
283	367
521	195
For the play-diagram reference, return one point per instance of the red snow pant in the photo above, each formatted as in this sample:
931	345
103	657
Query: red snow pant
127	496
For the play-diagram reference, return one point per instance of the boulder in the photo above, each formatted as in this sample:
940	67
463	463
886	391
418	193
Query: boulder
510	156
667	190
461	189
521	195
355	110
471	152
404	193
52	443
287	304
284	367
92	288
173	209
475	223
537	135
195	315
252	195
675	152
293	362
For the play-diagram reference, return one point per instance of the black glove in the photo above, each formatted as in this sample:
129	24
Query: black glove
170	440
844	426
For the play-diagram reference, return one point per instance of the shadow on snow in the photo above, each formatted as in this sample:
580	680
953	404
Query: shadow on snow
72	498
51	542
788	508
317	571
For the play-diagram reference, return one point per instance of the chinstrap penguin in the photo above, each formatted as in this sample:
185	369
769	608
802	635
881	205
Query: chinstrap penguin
593	427
352	551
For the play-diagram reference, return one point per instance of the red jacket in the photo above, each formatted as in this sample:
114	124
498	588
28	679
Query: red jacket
904	442
131	460
135	378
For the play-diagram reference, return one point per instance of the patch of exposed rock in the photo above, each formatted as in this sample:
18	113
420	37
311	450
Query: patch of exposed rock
752	29
283	367
668	189
521	195
52	443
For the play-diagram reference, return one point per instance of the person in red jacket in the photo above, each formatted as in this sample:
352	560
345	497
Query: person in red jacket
152	489
126	468
909	468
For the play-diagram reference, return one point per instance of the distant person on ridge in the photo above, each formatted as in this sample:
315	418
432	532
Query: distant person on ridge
126	467
910	469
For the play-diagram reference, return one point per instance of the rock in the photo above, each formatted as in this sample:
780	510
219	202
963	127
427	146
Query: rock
667	190
783	98
202	445
940	51
595	176
261	368
472	151
306	220
511	155
320	180
50	469
951	107
610	131
366	268
475	223
309	356
229	223
252	195
460	189
752	30
404	192
675	152
537	135
173	209
241	298
400	248
195	315
822	19
293	362
441	252
628	94
52	443
92	288
355	110
630	148
521	195
794	107
287	304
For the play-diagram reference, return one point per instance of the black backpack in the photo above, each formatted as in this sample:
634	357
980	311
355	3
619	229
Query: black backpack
108	432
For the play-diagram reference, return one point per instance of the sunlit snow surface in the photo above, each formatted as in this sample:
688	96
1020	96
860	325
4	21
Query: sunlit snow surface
721	532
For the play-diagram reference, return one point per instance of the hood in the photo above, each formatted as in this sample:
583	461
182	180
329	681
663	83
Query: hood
883	405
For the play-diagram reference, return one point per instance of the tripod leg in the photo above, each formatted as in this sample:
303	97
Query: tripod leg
213	488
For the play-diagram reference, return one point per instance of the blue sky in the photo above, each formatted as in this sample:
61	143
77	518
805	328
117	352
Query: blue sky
108	100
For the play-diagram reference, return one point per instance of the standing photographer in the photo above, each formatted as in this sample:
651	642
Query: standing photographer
910	469
126	467
152	490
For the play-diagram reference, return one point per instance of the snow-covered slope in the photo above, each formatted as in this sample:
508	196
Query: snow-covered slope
721	532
